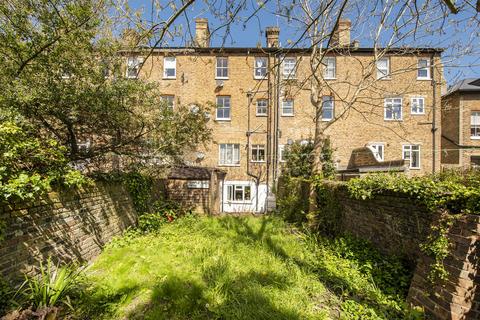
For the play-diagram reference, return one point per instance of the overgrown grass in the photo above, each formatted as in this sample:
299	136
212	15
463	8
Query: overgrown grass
238	268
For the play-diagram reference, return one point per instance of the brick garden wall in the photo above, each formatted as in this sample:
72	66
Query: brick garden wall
67	225
397	225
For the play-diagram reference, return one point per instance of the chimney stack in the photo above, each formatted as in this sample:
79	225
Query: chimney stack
202	33
272	34
341	35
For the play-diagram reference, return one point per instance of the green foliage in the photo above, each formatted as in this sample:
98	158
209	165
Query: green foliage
328	216
453	191
292	199
6	293
140	188
29	166
52	288
437	246
69	84
244	268
298	160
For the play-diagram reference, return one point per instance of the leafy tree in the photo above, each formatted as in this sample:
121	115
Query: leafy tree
64	75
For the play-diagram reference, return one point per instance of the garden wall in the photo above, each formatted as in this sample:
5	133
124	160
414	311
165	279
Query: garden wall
398	225
68	225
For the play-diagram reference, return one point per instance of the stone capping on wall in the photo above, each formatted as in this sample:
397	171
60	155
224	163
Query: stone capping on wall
396	224
68	225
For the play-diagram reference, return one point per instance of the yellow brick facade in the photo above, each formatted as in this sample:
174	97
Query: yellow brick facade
458	145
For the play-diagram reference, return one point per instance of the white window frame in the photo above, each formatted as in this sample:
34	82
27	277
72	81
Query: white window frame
231	192
235	154
281	153
324	100
289	67
380	74
170	99
262	68
475	125
283	108
386	106
257	148
378	150
221	68
223	107
409	148
133	62
425	68
261	114
413	102
330	66
169	63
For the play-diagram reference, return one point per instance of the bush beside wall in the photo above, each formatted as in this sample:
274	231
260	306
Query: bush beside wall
397	224
70	226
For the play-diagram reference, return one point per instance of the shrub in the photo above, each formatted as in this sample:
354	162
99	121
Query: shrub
52	288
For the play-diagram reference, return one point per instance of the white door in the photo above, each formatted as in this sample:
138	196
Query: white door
241	196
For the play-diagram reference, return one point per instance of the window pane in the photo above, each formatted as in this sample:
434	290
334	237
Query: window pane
247	193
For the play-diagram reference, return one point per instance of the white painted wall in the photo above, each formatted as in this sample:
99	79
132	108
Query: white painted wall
245	206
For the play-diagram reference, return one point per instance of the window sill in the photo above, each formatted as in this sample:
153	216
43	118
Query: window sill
417	114
223	120
475	137
221	78
393	120
261	115
327	120
416	168
329	78
288	115
169	78
424	79
260	78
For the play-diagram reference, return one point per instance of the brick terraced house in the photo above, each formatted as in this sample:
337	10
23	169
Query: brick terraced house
387	105
461	125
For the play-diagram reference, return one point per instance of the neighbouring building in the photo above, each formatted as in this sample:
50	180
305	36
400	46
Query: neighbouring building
387	103
461	125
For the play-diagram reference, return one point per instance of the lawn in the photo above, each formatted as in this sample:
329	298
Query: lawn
238	268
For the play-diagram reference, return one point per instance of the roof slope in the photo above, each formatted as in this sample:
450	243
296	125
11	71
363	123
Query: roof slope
465	85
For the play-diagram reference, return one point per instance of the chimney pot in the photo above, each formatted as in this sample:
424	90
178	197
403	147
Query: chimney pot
202	33
272	34
341	35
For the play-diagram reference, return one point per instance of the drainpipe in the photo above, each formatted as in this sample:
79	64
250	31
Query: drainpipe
434	123
251	174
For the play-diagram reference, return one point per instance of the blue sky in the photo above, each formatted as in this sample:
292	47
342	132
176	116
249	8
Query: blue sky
460	34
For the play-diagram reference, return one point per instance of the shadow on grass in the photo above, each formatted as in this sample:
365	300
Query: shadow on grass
176	298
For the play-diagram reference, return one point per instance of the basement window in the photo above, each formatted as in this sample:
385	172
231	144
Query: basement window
239	193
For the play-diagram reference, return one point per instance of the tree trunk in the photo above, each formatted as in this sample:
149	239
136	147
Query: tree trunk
317	164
